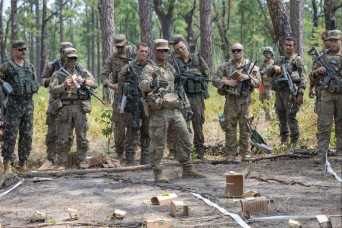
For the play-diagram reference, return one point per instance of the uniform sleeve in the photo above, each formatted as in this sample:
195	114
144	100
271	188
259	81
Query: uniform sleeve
146	78
56	87
204	68
46	75
89	76
302	74
217	79
124	71
106	71
3	71
255	78
33	72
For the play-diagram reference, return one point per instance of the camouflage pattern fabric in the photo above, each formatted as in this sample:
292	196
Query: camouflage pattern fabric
286	108
266	92
18	118
166	121
132	136
237	108
112	68
330	109
71	116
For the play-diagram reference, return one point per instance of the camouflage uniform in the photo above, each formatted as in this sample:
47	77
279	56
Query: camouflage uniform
195	91
19	110
72	112
125	78
51	136
113	66
237	108
266	92
287	108
331	102
165	116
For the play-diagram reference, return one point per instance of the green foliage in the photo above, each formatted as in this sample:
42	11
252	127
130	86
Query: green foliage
106	125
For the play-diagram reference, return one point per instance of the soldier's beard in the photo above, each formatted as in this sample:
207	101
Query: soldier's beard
268	55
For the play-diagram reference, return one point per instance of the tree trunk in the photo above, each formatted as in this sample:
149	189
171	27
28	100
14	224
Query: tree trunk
145	23
31	52
38	29
93	40
281	24
297	23
188	17
43	41
2	43
206	39
88	35
330	8
98	48
61	27
14	20
106	10
165	18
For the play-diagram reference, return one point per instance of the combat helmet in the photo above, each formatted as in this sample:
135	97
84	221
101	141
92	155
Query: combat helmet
268	48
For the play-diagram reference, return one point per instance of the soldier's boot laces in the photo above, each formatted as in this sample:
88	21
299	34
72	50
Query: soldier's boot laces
7	167
189	172
160	177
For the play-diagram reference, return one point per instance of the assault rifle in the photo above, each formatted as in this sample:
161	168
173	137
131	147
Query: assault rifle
132	93
181	92
82	88
330	71
193	76
287	77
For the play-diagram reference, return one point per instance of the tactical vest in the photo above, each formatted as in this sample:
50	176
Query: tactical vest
192	67
22	80
335	61
278	81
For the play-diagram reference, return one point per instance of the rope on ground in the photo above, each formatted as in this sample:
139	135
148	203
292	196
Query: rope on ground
236	217
330	170
12	188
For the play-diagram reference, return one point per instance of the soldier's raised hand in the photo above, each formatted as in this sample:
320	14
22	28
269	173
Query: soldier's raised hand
320	70
231	83
68	82
277	69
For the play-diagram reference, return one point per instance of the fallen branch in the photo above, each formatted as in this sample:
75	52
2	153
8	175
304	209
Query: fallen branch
291	155
225	161
83	171
290	182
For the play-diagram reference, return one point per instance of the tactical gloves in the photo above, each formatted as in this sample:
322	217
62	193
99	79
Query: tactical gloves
159	83
188	114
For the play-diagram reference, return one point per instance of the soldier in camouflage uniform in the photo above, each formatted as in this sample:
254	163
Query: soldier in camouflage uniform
128	76
51	115
331	97
236	79
20	74
286	105
317	84
165	98
113	65
265	92
192	64
72	104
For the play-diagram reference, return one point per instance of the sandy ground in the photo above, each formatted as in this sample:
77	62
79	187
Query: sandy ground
296	186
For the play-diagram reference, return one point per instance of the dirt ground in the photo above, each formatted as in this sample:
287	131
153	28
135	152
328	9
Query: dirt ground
298	187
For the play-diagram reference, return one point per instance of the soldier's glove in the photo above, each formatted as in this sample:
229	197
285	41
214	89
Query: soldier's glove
188	114
159	83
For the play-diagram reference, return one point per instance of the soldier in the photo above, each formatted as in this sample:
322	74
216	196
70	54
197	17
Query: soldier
265	91
129	77
113	65
331	97
287	104
19	73
317	83
51	115
193	65
164	99
236	79
73	104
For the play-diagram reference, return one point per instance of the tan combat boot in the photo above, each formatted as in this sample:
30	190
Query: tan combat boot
189	172
7	167
23	169
159	176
